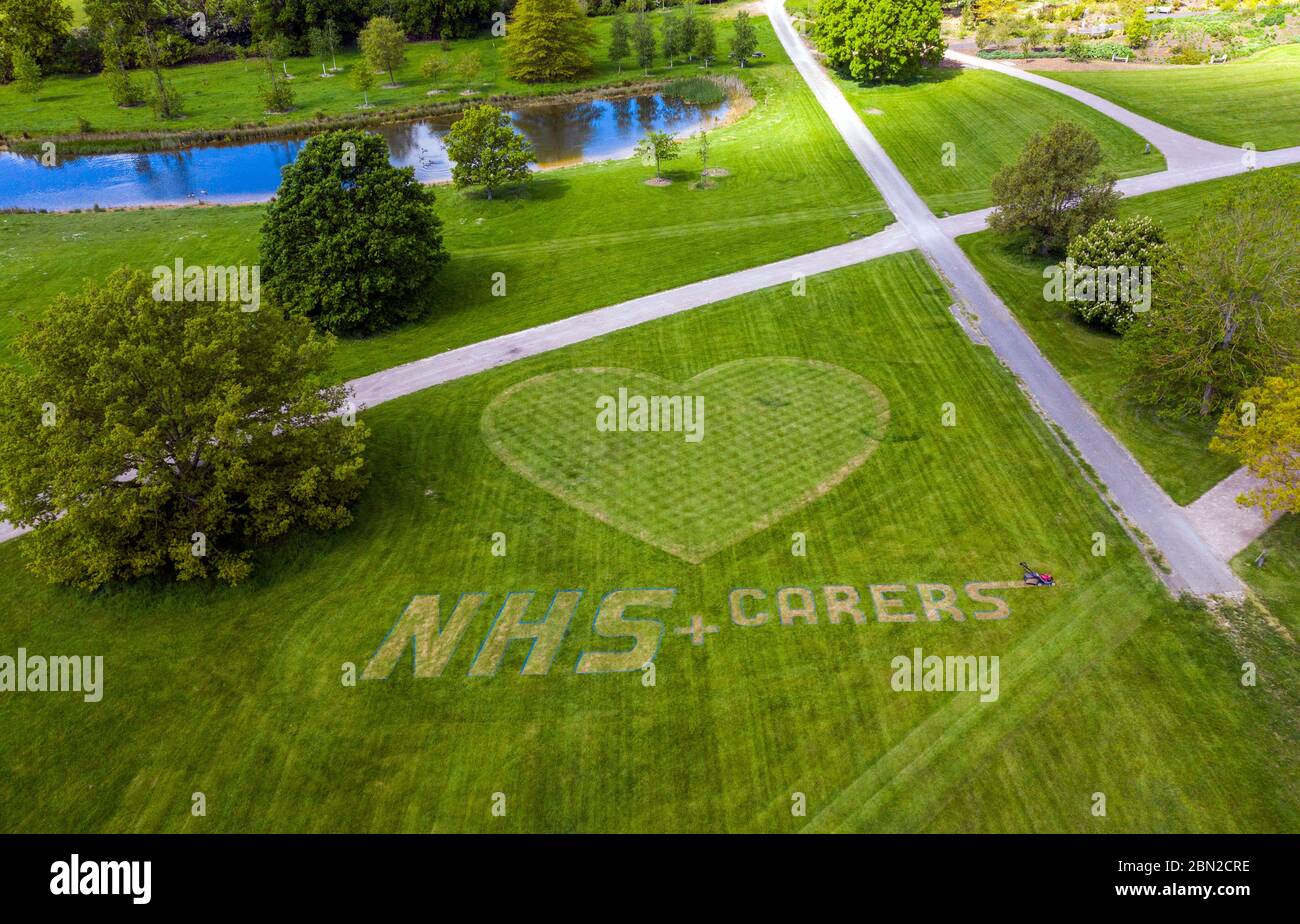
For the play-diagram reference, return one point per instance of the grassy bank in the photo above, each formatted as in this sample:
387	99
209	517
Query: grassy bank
1252	100
986	118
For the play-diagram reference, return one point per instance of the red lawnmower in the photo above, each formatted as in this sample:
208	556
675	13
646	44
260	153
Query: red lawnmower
1037	578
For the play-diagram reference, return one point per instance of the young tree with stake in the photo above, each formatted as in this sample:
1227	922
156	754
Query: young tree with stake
744	40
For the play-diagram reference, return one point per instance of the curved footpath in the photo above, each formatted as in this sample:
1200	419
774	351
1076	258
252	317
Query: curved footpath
1197	563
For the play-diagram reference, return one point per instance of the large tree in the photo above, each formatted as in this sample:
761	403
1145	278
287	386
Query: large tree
880	40
171	437
487	151
1263	433
349	240
1227	310
37	27
1053	191
384	46
548	40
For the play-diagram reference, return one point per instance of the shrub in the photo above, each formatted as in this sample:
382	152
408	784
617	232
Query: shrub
1113	243
79	54
122	89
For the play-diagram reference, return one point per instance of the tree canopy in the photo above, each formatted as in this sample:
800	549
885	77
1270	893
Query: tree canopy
1263	434
1053	191
1227	310
169	437
384	45
487	151
349	240
744	40
880	40
548	40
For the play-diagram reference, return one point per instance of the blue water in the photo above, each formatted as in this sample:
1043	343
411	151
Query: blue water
561	133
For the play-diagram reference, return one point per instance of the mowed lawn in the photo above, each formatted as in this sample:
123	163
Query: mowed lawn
1175	452
1277	580
580	238
1251	100
987	118
237	693
227	94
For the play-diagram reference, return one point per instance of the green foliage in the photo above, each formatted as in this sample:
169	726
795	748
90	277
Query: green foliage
620	38
1137	31
1137	243
883	40
744	40
35	28
643	41
1227	310
435	66
672	36
383	43
164	99
149	422
349	240
277	95
121	88
656	148
548	40
363	81
27	73
1050	192
1267	440
487	151
690	29
706	41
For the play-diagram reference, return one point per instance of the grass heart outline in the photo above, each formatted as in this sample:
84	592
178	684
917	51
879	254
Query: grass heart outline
693	554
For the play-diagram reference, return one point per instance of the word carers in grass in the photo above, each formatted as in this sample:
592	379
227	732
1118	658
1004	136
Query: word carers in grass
628	626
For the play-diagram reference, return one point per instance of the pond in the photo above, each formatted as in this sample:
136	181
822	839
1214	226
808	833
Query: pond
561	133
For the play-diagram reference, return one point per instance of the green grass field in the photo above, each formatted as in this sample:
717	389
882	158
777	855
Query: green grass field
1175	452
237	693
1277	581
1251	100
582	238
987	117
226	94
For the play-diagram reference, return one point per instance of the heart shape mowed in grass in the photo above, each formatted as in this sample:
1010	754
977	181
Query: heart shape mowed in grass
779	432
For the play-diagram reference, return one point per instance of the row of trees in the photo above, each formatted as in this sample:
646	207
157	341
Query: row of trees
1218	332
41	30
686	36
